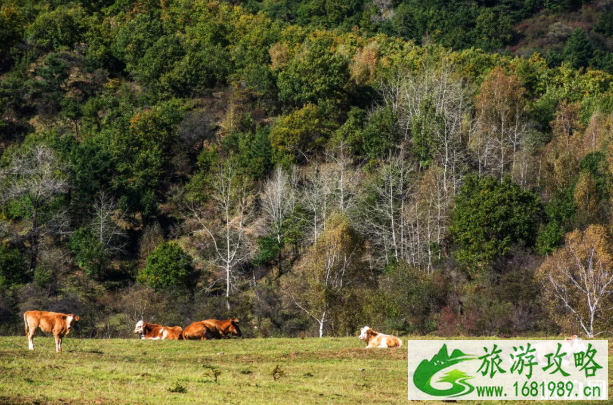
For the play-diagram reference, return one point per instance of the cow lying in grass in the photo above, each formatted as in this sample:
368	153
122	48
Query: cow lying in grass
59	324
197	331
223	329
379	340
158	332
212	329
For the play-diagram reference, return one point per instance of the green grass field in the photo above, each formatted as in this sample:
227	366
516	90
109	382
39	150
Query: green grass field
133	371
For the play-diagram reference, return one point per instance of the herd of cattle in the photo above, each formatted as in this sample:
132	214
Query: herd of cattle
60	324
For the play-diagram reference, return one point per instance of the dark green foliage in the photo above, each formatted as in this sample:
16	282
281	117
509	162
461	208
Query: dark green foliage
381	134
560	212
92	167
268	250
494	30
578	51
550	237
351	131
406	299
13	268
563	5
135	37
596	164
605	23
253	150
131	155
58	29
561	207
167	266
54	73
330	13
425	127
89	253
315	73
490	217
177	67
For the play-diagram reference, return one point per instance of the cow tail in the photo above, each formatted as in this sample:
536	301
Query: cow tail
25	321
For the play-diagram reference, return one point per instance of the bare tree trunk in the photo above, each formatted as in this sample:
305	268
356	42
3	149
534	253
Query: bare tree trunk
34	237
321	324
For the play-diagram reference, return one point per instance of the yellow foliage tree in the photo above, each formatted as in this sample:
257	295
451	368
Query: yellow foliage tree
500	108
321	284
577	280
586	199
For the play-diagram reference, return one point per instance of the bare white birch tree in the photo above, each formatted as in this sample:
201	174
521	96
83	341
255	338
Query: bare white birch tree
407	92
36	176
347	181
317	197
427	219
382	217
106	225
278	202
222	220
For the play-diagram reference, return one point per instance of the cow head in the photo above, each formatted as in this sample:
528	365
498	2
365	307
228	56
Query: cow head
574	337
576	345
365	333
234	330
70	320
139	328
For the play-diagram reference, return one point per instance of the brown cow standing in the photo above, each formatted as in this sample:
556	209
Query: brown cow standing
59	324
197	331
222	329
158	332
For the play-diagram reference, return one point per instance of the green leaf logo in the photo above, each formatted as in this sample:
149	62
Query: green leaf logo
422	378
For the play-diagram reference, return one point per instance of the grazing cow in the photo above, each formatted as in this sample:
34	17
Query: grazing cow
223	329
570	346
59	324
376	339
197	331
158	332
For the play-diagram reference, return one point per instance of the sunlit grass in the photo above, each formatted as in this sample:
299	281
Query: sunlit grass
133	371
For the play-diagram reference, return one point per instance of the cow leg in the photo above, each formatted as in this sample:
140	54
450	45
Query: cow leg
31	340
58	344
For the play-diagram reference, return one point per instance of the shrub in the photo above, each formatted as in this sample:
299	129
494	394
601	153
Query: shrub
167	266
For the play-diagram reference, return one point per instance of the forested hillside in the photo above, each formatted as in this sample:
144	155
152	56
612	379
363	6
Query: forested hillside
308	166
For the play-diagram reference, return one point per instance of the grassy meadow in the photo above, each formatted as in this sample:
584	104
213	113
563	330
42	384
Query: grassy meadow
133	371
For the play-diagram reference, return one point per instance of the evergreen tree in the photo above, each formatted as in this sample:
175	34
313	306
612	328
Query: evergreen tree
578	50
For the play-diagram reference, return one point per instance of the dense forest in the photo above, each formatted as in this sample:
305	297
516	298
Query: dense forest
308	166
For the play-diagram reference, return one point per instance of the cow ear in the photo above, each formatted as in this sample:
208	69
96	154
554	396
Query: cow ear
236	320
76	318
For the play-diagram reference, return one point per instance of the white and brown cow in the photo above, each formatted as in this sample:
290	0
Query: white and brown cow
59	324
158	332
379	340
